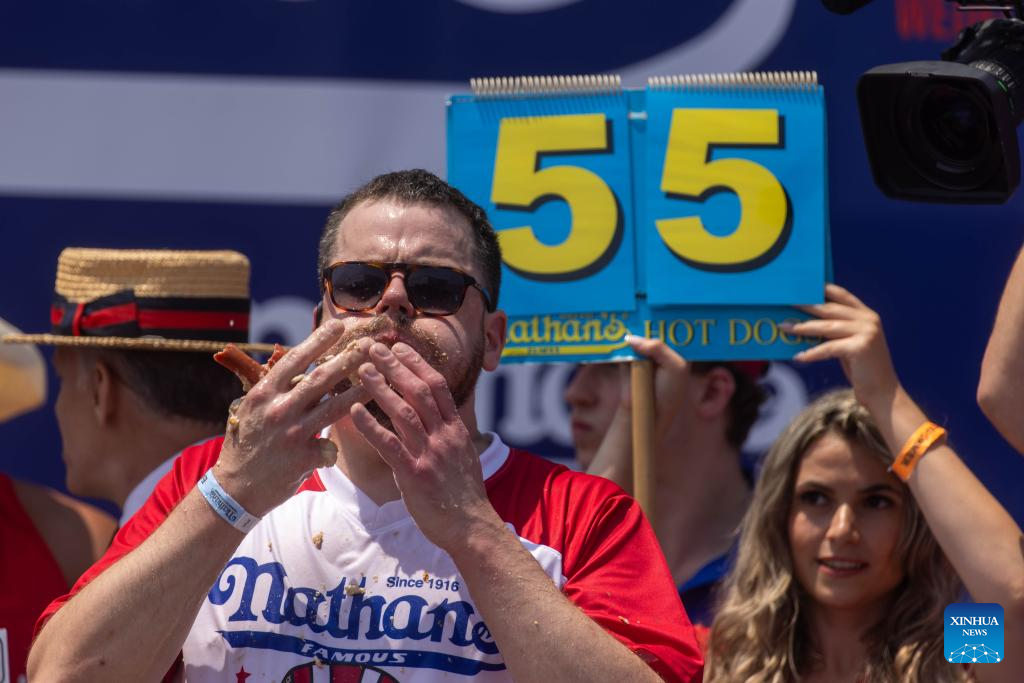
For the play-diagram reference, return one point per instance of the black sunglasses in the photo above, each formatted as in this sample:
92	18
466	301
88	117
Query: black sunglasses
433	290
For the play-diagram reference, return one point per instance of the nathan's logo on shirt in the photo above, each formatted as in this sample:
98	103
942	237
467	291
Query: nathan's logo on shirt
973	632
349	612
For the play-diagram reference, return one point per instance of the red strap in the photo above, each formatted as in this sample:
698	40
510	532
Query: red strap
192	320
152	319
115	315
76	321
120	314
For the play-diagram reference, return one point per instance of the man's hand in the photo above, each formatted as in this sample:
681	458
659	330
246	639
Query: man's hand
853	334
435	461
437	468
272	444
269	449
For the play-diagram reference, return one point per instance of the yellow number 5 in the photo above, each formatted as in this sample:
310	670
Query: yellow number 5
520	183
765	213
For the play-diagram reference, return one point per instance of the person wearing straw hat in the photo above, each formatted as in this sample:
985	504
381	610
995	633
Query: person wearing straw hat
47	539
417	549
133	331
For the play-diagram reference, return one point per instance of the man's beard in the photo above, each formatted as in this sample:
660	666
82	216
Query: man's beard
460	375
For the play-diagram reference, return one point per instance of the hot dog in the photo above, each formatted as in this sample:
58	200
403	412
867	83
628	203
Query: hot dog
249	371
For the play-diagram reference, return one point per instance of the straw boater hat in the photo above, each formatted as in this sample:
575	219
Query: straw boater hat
22	377
149	299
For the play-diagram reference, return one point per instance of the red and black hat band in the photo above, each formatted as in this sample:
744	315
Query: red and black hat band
122	314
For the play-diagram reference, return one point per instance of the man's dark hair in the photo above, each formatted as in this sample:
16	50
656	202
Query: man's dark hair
420	187
183	384
743	406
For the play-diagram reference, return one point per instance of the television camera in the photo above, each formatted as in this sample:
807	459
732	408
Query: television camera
946	130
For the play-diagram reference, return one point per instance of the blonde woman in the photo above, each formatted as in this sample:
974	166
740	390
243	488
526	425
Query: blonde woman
844	570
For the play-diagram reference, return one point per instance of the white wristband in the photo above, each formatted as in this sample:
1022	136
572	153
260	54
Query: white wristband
224	505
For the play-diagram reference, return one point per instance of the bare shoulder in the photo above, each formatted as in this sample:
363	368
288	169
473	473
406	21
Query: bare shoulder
76	532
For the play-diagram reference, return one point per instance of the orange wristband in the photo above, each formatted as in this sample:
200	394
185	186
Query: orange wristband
917	445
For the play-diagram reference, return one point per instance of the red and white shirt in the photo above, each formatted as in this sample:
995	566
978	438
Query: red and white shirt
331	587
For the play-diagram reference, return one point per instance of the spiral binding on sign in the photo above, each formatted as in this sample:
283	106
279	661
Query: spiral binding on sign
513	86
803	81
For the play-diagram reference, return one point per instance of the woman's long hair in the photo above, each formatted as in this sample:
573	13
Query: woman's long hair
761	633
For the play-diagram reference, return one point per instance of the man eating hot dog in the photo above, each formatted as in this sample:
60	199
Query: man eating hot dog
424	550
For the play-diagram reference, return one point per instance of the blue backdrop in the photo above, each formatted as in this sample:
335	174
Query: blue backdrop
237	124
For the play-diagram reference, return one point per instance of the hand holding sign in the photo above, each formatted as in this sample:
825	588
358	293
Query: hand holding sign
853	334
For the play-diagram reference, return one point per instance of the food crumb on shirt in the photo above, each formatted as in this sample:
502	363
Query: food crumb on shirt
426	576
318	539
623	619
354	589
318	662
270	546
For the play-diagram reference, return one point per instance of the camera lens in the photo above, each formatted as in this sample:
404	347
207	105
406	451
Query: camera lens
954	125
946	133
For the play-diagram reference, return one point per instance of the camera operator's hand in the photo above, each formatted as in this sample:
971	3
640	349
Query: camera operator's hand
274	446
853	334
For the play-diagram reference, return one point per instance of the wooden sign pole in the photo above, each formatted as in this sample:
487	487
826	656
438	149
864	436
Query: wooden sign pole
642	388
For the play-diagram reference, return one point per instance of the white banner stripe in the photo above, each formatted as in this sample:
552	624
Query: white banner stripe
198	137
271	140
